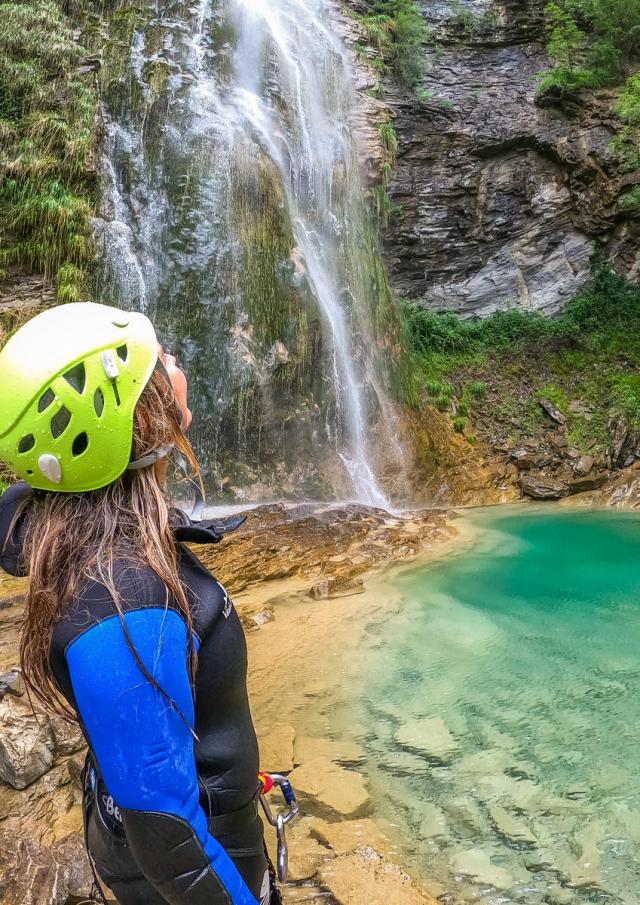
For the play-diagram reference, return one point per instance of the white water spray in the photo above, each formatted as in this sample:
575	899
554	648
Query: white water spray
278	95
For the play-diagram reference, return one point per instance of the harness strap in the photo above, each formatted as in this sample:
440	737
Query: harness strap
235	821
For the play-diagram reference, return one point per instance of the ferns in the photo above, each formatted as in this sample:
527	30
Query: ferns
397	30
46	119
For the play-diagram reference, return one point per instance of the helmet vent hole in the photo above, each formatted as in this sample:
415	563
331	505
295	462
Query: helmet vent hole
26	443
123	353
80	444
98	402
77	378
45	400
60	422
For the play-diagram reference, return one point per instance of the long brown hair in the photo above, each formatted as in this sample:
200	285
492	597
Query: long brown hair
72	538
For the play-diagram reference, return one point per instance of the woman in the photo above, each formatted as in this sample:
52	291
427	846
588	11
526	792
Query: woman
125	629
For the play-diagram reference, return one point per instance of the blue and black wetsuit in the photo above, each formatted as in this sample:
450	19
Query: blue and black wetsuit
170	819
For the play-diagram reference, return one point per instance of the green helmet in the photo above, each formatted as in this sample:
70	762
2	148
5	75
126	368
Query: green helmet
70	380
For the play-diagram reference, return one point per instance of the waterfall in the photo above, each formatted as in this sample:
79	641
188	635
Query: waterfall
234	215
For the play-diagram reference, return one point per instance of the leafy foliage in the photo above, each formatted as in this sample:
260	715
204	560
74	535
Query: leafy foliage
46	117
627	143
398	31
593	42
591	352
469	23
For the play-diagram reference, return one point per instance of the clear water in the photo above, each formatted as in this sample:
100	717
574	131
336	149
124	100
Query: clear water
526	648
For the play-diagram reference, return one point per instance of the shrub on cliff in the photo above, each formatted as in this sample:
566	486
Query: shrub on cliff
46	119
397	30
594	43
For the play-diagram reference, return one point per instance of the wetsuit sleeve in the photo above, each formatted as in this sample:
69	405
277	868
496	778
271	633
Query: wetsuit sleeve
10	533
145	753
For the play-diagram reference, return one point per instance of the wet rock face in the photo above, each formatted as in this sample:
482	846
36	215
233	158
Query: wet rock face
501	198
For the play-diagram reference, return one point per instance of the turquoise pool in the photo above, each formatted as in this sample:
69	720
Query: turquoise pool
499	709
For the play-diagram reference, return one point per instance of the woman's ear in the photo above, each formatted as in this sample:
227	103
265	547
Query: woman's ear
180	386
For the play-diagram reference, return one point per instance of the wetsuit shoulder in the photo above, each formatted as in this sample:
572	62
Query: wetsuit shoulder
138	588
12	530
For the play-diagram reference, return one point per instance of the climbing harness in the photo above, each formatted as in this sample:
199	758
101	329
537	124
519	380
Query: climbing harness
268	781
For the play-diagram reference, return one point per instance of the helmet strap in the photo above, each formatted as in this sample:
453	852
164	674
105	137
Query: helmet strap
151	458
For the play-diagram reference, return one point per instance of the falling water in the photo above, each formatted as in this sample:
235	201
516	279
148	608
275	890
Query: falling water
234	215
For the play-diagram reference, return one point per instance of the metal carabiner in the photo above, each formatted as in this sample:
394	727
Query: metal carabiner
280	820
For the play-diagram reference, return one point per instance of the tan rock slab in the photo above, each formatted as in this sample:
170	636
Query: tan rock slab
364	878
510	826
478	866
346	836
306	853
434	822
430	737
305	748
341	790
276	747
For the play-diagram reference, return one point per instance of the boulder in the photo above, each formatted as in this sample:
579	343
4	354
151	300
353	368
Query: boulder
67	736
364	878
553	411
542	487
27	743
333	787
590	482
35	875
11	683
430	737
583	466
526	458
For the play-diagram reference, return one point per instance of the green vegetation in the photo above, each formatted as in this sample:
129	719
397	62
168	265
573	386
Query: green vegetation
469	23
593	42
498	368
397	30
596	44
383	204
627	143
46	117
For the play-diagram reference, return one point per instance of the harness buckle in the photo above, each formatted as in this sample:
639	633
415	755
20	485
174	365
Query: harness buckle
280	820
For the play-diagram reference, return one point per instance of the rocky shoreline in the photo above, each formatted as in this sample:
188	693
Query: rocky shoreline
313	554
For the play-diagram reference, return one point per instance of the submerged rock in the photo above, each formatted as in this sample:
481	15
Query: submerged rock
345	836
337	750
330	786
510	827
477	865
276	747
434	822
430	737
364	878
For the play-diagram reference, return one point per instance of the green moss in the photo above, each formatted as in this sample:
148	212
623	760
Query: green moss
46	120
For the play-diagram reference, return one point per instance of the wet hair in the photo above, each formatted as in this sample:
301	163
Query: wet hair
73	538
